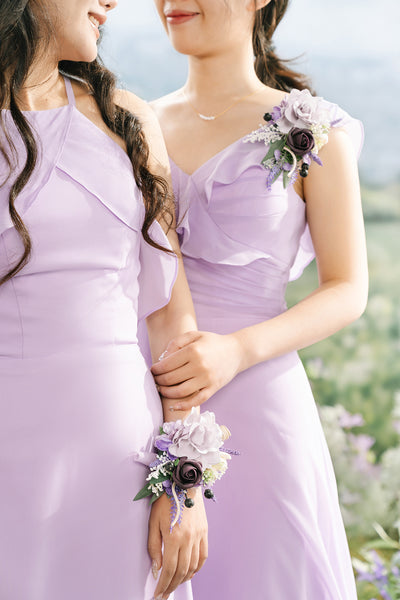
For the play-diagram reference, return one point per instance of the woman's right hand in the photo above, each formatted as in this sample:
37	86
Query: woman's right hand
195	366
185	548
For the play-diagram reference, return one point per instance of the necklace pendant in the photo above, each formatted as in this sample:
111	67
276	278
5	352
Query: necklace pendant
205	118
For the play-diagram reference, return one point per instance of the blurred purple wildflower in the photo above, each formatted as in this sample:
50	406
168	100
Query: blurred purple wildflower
348	421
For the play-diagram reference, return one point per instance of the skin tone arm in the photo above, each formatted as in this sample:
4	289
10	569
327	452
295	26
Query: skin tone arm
185	549
194	370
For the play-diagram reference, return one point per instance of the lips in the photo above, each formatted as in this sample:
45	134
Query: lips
176	17
96	21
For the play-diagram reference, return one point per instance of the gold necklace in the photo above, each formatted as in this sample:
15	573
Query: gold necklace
213	117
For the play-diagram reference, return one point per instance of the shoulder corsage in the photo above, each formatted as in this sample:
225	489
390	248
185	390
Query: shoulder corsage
189	454
295	132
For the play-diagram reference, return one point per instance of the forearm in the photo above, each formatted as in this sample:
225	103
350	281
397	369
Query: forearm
176	318
324	312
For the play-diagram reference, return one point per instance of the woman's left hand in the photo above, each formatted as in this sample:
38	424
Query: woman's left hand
196	365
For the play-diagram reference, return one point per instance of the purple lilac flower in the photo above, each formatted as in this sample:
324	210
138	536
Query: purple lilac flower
167	485
162	442
316	158
276	113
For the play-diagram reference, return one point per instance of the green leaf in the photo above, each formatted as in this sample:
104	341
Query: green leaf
381	545
277	145
154	498
286	179
160	479
144	492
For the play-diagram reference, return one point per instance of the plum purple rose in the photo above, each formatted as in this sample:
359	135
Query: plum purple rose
300	141
187	473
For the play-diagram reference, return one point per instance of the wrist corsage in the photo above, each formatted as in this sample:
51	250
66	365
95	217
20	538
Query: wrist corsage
189	454
295	132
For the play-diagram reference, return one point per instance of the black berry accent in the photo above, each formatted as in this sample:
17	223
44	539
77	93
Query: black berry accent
303	172
209	494
189	503
267	117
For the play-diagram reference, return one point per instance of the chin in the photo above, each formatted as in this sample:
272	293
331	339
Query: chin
185	47
87	55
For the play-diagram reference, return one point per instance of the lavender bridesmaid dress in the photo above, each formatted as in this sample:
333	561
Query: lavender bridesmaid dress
78	406
276	531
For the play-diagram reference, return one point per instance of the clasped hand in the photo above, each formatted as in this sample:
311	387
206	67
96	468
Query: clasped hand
196	365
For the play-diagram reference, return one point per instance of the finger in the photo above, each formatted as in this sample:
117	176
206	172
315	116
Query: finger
196	399
194	561
154	546
175	377
180	391
171	362
182	569
203	553
170	562
181	340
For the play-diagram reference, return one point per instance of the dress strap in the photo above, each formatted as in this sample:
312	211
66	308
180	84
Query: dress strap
70	91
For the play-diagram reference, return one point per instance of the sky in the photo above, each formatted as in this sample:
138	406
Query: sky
351	48
363	27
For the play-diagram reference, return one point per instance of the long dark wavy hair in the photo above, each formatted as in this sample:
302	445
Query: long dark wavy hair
271	69
25	26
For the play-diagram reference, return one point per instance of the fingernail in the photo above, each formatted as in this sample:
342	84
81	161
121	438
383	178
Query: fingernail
154	569
178	407
171	409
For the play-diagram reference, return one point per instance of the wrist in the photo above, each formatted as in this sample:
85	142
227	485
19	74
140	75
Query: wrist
240	340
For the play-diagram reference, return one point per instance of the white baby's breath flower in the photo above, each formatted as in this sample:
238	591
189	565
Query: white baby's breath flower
320	134
265	133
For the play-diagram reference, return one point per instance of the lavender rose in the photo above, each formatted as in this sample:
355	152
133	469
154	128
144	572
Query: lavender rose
300	141
187	473
302	110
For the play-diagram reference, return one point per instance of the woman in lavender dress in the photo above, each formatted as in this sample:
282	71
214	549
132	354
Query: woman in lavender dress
81	257
246	229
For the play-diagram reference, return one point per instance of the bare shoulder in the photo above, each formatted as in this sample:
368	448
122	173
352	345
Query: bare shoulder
269	97
169	105
137	106
158	158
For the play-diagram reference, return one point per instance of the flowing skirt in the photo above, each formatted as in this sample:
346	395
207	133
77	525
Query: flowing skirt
70	427
276	531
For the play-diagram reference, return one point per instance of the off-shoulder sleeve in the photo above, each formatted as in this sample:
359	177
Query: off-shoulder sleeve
354	128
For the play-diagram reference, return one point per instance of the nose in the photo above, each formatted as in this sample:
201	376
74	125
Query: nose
109	4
